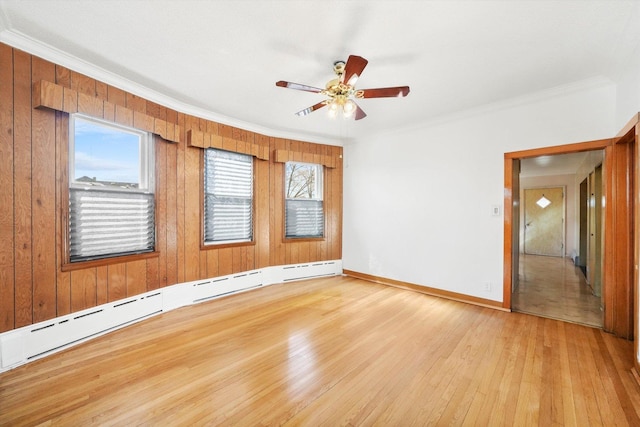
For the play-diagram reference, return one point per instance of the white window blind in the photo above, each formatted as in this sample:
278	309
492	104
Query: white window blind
304	216
110	223
228	201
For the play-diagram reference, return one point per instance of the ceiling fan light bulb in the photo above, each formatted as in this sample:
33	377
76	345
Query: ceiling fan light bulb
348	108
333	109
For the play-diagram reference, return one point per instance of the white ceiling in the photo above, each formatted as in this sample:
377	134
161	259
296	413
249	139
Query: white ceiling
221	59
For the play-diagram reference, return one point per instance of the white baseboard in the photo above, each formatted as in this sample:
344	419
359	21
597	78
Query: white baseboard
29	343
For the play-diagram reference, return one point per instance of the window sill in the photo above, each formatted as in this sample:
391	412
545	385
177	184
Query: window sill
81	265
303	239
224	245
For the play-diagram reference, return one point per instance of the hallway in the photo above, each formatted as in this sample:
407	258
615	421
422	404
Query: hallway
555	288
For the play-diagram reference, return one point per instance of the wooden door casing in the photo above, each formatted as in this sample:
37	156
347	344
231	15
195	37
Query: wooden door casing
618	236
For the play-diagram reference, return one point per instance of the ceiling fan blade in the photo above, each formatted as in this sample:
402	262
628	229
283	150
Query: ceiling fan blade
384	92
298	86
311	109
352	69
360	114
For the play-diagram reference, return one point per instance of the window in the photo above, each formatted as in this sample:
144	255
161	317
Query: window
304	215
228	197
111	202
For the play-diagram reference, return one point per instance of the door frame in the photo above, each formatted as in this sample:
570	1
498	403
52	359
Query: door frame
618	245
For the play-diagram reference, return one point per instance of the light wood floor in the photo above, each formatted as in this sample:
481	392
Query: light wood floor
554	287
335	351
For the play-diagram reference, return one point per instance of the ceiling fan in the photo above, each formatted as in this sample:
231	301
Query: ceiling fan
341	91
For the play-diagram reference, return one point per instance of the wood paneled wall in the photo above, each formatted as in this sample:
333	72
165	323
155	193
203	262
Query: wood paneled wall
33	190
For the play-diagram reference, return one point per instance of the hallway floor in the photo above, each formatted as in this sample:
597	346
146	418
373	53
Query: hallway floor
555	288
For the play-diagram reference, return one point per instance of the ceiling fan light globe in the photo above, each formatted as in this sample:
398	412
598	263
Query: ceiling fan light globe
349	108
333	109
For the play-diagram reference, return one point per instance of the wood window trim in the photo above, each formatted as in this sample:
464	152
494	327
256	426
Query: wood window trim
284	156
210	246
303	239
198	139
62	141
60	98
286	239
82	265
329	162
206	247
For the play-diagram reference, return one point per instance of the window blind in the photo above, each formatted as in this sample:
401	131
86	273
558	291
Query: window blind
304	218
110	223
228	201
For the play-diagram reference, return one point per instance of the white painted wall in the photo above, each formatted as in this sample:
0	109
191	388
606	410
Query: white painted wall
418	202
627	74
628	92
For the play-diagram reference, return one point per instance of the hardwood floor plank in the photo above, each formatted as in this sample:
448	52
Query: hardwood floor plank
619	355
491	379
569	416
332	351
528	404
583	396
609	373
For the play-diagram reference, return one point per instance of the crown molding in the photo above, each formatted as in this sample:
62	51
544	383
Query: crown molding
35	47
45	51
527	99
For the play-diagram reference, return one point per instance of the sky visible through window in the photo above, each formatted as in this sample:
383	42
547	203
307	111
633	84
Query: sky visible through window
105	153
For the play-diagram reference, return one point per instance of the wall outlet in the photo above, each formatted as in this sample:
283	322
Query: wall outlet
487	286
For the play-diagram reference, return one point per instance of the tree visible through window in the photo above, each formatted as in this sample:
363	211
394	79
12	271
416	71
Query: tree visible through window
304	216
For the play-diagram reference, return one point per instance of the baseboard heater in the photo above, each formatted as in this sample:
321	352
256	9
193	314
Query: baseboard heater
215	288
38	340
33	342
307	271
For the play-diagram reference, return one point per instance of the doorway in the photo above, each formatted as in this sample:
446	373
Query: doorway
619	177
550	281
